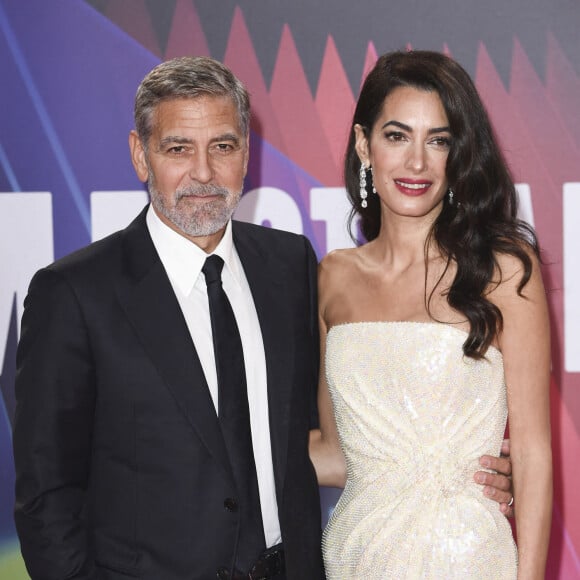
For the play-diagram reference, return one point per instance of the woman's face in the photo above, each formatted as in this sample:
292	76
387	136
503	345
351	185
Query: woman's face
407	149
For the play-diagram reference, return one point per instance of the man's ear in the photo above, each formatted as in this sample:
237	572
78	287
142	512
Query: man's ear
247	154
362	145
138	156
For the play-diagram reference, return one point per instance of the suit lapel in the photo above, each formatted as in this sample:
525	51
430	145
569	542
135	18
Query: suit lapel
150	304
268	284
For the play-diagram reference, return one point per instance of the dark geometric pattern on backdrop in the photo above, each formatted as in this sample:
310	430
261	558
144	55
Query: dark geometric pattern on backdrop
461	25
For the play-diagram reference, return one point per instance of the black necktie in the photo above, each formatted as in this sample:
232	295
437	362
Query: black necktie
234	415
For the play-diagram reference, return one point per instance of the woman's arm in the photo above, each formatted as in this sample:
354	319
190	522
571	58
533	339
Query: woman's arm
325	451
525	345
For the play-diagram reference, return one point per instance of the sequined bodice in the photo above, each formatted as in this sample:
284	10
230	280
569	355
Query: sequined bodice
414	416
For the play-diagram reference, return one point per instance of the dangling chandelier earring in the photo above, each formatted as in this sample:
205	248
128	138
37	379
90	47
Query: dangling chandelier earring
362	176
450	197
373	180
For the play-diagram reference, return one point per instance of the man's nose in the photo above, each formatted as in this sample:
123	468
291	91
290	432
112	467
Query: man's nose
201	168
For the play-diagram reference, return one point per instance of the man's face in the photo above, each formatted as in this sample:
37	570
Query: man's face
195	164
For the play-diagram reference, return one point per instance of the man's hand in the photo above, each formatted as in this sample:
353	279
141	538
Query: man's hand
498	486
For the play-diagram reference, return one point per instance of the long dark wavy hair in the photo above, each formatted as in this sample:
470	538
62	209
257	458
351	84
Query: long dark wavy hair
482	221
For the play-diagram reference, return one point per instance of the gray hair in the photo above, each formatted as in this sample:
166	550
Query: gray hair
188	77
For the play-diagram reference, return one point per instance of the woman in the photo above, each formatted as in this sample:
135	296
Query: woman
430	332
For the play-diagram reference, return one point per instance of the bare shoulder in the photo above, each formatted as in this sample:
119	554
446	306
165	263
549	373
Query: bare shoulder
524	308
335	269
511	272
338	263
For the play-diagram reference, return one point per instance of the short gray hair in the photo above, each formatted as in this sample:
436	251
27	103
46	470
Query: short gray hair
188	77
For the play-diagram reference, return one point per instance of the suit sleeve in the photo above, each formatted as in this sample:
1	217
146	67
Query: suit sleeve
55	401
312	269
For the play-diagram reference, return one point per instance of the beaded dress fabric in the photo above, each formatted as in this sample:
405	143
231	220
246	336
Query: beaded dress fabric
414	416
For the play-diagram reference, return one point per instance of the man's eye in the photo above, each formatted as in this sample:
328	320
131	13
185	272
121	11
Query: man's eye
176	149
224	147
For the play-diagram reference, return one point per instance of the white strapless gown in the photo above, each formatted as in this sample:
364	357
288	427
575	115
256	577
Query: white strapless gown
414	416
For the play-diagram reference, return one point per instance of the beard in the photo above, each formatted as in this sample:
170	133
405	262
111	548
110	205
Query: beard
195	217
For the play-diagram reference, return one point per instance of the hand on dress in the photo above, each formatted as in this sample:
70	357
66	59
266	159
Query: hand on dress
498	486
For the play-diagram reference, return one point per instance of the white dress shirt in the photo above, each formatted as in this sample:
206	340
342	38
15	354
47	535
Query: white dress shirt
183	261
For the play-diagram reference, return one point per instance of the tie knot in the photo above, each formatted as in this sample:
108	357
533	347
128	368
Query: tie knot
212	269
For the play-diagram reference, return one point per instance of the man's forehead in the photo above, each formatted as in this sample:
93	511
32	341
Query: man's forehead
208	109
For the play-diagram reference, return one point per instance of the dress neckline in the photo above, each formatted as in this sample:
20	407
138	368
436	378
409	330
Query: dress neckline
418	323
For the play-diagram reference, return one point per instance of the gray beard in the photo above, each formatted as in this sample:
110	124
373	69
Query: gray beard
197	219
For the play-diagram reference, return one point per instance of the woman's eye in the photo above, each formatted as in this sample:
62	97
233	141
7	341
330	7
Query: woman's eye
442	142
395	136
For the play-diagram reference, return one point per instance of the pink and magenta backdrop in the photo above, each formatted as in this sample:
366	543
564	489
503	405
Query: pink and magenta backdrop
68	74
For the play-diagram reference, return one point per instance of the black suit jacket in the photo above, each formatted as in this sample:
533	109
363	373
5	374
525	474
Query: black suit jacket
121	469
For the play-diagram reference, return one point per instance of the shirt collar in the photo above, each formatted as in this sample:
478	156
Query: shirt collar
182	259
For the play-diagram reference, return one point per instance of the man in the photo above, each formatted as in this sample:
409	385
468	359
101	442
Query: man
125	463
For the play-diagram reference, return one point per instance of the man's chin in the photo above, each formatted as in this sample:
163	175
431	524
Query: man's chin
199	198
207	227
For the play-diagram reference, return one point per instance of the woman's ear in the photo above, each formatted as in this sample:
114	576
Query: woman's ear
361	145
